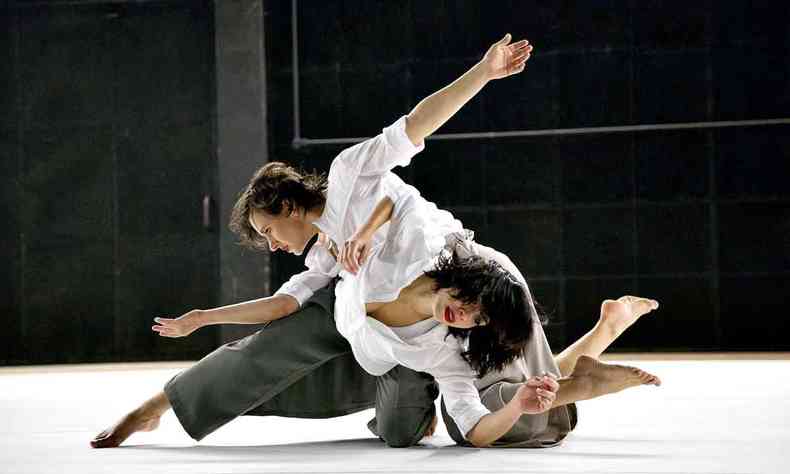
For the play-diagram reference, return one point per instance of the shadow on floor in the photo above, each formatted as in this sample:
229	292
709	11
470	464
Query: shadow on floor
306	449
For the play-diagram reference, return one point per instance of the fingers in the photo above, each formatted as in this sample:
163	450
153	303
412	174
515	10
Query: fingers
544	403
341	257
353	256
164	331
534	381
551	383
166	327
546	382
547	394
520	45
521	56
345	258
516	69
364	254
504	41
163	323
517	63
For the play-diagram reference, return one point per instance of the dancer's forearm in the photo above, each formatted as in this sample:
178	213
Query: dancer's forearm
250	312
493	426
502	59
436	109
380	215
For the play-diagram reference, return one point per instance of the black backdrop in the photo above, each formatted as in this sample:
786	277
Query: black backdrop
107	146
107	149
698	219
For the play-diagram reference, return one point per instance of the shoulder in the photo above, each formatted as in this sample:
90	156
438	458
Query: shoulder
319	259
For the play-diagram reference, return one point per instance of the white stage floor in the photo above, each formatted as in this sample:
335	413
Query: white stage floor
710	416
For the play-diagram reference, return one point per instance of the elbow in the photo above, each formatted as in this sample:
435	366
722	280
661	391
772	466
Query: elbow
288	305
476	439
414	130
477	442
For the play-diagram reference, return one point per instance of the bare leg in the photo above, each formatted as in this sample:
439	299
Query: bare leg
143	418
616	316
592	378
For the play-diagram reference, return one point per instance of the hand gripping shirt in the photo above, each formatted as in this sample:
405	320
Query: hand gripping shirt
359	178
412	246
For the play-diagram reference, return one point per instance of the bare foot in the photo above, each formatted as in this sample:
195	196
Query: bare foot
618	315
134	421
611	378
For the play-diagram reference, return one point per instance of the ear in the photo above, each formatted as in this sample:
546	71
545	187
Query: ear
290	209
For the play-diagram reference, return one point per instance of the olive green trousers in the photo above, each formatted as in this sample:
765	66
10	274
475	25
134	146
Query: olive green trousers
300	366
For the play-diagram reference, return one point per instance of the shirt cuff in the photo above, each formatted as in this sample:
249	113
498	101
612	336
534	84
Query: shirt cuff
469	418
299	292
398	139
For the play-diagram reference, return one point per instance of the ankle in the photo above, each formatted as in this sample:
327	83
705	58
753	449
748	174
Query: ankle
146	412
607	328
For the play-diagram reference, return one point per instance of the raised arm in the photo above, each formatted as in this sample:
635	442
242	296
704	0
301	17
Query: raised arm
501	60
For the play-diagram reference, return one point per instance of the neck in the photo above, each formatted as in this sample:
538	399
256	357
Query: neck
313	215
420	296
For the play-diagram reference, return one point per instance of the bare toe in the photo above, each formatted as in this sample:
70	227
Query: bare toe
104	440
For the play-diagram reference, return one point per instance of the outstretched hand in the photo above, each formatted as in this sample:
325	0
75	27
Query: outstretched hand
179	327
505	59
536	395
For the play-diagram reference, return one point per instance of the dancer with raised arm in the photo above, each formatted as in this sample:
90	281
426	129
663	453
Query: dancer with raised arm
290	368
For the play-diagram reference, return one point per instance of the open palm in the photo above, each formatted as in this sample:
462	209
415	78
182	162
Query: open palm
505	59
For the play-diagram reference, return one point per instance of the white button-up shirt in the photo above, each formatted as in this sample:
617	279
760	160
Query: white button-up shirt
401	250
359	178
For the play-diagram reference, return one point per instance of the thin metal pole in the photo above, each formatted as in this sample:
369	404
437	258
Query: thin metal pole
298	141
295	76
559	131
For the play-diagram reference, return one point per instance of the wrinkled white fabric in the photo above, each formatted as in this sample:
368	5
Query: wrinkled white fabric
359	178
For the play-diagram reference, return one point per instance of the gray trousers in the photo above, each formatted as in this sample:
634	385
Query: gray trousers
530	431
300	366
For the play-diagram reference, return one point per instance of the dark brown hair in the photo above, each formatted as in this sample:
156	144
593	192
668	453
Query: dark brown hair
276	188
505	307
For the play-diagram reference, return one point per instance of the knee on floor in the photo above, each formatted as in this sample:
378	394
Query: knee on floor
400	437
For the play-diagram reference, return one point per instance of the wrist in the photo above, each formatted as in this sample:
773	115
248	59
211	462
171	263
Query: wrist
363	233
200	317
482	69
513	409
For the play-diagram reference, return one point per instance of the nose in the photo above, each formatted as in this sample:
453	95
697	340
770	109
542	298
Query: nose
470	314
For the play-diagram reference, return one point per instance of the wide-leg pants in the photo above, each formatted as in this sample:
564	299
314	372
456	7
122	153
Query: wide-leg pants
300	366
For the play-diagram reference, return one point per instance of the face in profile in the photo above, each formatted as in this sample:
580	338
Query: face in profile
288	231
456	313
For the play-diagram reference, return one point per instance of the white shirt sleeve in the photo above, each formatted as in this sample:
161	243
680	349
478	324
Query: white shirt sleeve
321	268
461	398
391	148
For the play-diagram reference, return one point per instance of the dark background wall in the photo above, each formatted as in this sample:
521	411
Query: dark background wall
107	152
698	219
120	117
